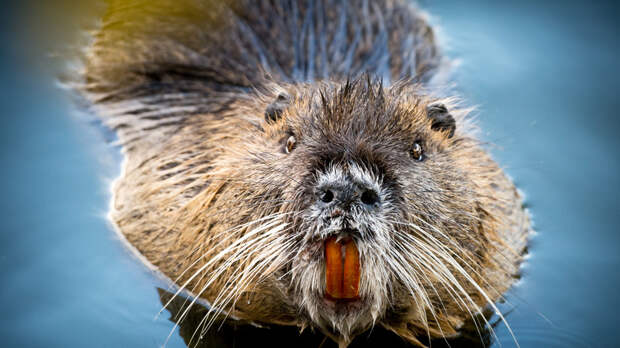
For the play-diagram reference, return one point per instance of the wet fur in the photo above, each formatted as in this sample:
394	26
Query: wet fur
210	197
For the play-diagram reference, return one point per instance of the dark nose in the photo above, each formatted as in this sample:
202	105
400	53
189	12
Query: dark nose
345	195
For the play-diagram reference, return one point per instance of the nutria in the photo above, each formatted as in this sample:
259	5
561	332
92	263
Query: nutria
293	163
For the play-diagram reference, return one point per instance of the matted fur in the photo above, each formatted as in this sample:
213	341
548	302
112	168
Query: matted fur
210	196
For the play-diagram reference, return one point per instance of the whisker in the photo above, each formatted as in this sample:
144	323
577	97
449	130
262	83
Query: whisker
237	243
447	258
235	246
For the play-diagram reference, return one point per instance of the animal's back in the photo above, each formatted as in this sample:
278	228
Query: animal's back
157	62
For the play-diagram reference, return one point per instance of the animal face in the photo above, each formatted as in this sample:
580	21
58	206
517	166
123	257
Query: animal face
385	220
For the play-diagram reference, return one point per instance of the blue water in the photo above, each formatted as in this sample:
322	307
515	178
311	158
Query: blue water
545	78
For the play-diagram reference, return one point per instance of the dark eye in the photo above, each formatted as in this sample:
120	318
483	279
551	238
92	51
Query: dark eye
290	144
417	152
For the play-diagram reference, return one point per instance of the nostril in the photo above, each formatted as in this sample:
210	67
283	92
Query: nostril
369	197
327	196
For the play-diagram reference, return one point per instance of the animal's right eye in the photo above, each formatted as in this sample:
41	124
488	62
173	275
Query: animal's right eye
417	152
291	142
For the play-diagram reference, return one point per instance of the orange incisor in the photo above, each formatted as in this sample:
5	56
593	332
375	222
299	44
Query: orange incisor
342	269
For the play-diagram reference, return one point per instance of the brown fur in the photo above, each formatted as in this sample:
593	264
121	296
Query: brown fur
186	85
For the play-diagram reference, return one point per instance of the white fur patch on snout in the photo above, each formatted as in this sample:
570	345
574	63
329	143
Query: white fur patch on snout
332	220
351	174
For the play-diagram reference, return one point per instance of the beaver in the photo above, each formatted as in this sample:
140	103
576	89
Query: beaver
294	163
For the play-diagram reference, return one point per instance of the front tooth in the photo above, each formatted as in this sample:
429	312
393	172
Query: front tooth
351	271
333	268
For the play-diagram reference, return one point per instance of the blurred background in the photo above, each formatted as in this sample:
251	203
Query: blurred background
544	75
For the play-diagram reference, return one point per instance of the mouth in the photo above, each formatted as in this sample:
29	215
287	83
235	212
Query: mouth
342	269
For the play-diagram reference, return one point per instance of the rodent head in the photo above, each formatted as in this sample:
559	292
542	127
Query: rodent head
369	206
385	169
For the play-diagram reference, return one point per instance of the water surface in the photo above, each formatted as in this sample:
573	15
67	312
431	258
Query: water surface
545	79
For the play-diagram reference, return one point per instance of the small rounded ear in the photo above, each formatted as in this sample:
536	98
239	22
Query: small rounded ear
274	110
442	120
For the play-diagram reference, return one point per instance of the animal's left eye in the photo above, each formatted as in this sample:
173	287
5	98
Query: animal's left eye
417	152
291	142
